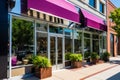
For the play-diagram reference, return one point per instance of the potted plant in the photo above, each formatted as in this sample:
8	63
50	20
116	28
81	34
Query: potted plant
25	61
87	56
76	60
105	56
67	59
43	67
94	57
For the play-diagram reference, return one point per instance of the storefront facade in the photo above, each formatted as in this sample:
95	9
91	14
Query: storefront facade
53	34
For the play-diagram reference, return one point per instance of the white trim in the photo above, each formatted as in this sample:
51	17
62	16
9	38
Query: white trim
10	47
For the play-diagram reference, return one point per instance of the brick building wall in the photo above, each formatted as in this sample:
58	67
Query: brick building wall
111	44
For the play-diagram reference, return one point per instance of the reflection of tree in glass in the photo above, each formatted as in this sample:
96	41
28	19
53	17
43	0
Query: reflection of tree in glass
22	33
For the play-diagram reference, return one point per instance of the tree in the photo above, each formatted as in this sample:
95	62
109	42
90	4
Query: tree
115	16
22	33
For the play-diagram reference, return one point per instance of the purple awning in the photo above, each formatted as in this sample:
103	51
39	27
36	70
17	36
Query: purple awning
60	8
93	21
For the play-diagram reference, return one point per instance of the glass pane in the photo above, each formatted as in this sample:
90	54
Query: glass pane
41	27
86	35
77	40
54	29
96	46
60	57
22	41
86	45
68	44
94	36
68	32
42	44
52	50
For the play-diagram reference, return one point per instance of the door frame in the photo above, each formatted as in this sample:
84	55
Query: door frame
57	66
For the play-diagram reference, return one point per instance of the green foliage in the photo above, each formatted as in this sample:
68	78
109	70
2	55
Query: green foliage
67	56
115	16
105	56
41	62
94	55
87	55
22	33
75	57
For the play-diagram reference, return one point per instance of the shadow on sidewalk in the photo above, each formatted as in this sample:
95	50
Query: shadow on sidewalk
115	77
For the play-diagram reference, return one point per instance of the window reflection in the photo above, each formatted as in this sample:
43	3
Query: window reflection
42	44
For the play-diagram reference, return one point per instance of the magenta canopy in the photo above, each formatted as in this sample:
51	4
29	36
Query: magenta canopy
94	21
60	8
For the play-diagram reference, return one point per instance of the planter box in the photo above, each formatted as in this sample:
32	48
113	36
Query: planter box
43	72
67	63
76	64
95	61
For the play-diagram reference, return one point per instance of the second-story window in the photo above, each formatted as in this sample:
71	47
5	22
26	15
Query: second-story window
101	7
92	3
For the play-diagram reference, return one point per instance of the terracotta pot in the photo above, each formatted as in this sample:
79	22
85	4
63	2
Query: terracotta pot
76	64
43	72
94	61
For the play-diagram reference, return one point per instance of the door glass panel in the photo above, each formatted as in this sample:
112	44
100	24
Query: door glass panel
42	44
86	45
52	50
60	57
96	46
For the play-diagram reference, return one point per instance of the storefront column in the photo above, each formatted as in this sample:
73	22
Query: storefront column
83	42
48	39
91	43
99	46
35	38
63	47
73	44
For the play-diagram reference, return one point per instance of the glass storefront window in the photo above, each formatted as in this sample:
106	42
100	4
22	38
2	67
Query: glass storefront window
86	35
86	45
42	44
54	29
22	41
68	44
77	42
41	27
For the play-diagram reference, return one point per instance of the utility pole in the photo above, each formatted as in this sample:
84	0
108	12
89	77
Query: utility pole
5	6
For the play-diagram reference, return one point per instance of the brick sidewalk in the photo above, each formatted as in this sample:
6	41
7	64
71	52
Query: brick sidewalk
84	73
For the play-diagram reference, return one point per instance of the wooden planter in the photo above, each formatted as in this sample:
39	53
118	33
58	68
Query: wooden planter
76	64
43	72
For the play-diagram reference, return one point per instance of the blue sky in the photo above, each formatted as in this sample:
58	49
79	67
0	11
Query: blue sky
116	3
16	9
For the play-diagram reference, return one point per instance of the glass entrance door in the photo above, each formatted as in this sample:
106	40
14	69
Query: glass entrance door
56	51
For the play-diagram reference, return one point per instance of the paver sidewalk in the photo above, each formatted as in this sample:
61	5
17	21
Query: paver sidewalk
94	72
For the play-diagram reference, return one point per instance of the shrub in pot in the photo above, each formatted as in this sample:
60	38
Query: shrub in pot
87	56
105	56
43	67
94	57
76	60
67	59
